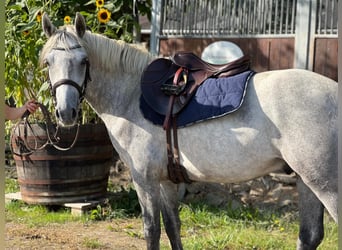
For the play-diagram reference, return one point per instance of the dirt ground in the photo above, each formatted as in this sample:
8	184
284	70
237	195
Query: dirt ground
128	233
123	234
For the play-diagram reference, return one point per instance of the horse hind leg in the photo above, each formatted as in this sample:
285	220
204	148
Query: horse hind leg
170	213
311	211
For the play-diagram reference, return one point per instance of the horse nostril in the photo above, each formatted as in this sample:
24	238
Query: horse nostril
57	114
74	113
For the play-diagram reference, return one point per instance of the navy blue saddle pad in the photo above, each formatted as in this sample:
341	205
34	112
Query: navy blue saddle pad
215	97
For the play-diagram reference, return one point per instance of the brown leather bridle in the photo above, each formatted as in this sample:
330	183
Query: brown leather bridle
81	89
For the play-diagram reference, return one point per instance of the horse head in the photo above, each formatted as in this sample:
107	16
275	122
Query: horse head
68	67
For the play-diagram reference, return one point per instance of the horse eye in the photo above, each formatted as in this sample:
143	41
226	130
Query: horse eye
46	63
84	61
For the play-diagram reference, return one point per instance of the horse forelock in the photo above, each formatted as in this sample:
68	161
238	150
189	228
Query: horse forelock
63	38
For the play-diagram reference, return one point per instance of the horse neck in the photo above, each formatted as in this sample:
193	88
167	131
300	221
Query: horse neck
115	69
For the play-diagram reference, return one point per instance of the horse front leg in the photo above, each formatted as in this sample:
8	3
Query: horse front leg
311	211
149	199
169	198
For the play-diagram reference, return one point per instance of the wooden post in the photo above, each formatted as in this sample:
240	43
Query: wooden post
340	118
305	34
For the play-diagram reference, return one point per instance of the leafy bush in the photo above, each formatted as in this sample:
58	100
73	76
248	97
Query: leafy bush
24	37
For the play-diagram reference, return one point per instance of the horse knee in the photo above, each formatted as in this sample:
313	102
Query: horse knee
310	240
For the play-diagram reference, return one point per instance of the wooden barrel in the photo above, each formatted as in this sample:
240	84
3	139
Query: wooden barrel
50	176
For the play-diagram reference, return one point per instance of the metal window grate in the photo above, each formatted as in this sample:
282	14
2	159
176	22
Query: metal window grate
327	17
201	18
233	17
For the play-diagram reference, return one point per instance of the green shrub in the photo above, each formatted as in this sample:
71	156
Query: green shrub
24	38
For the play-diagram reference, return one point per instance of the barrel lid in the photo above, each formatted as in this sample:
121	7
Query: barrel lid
221	52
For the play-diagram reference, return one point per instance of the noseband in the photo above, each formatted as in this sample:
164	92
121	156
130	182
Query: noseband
80	89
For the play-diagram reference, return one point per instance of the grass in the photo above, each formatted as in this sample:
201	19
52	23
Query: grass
203	226
208	228
36	215
92	243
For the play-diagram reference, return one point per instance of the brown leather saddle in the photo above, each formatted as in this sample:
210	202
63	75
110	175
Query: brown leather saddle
167	86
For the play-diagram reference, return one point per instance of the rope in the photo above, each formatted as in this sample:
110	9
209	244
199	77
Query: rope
22	143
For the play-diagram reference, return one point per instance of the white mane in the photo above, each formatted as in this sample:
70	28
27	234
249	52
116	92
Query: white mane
116	55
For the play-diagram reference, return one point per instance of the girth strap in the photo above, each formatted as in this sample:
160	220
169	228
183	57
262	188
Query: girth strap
177	173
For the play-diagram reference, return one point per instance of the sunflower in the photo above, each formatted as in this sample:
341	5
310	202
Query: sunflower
67	20
99	3
39	17
103	16
26	32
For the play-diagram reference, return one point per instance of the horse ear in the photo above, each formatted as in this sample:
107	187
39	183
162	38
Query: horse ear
48	28
80	24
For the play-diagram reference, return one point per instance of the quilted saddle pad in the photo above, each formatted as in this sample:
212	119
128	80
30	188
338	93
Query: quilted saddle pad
215	97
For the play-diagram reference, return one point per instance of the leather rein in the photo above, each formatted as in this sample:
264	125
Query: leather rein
52	139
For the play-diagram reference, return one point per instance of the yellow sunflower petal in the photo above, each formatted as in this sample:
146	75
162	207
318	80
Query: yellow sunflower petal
26	32
39	17
67	19
99	3
103	16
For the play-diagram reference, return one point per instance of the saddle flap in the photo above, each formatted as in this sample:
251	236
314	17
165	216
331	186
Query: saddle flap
157	72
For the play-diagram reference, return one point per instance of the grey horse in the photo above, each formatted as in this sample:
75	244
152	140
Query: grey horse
288	118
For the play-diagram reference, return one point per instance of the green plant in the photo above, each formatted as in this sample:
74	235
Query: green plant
123	204
24	39
11	185
92	243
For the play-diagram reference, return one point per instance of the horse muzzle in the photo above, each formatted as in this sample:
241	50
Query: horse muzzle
67	96
67	101
68	117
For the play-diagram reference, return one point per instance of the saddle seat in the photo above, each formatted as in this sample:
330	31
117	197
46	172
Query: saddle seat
194	63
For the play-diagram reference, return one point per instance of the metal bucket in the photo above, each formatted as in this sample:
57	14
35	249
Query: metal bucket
49	176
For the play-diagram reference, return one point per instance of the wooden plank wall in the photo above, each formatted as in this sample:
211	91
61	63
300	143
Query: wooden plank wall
325	58
266	53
